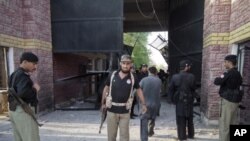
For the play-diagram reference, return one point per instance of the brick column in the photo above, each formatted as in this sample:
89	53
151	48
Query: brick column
215	47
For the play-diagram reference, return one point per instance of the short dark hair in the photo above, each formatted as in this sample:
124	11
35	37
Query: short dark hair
152	70
29	56
231	58
144	65
184	64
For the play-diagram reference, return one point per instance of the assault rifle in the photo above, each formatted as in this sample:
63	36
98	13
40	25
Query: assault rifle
103	118
24	105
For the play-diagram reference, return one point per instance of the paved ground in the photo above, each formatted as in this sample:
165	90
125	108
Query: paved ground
84	126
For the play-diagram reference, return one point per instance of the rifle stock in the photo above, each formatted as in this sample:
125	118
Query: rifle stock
26	108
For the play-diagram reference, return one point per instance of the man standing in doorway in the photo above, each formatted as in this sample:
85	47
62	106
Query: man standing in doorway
151	87
181	90
117	99
230	94
24	126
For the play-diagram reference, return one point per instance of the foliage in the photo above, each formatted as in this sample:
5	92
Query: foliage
140	53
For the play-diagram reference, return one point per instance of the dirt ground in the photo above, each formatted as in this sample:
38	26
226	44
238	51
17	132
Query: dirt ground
84	126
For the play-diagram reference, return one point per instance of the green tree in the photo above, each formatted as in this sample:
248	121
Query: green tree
140	53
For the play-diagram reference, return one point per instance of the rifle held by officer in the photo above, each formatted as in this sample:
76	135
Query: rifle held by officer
103	118
24	105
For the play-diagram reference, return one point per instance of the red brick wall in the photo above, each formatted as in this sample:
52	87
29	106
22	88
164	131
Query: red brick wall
66	65
36	17
216	16
30	19
45	79
216	20
222	17
212	67
240	13
240	16
11	21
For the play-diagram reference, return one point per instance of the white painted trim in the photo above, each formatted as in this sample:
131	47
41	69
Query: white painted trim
234	49
10	55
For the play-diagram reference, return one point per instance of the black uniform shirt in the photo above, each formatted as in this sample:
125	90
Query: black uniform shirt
120	91
141	75
232	80
183	81
24	87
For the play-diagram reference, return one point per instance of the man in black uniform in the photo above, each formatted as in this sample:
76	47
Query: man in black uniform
230	94
181	90
143	73
24	127
116	98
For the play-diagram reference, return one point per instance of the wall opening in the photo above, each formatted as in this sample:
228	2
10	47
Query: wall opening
3	81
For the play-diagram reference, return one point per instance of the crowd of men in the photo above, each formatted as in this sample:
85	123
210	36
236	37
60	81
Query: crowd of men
119	98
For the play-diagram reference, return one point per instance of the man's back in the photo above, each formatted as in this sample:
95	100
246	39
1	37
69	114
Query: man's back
184	81
151	87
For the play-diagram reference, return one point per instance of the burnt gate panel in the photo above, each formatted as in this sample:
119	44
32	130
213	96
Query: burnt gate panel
87	25
186	34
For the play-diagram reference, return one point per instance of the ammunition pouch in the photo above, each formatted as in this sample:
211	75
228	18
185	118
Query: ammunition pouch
129	103
108	101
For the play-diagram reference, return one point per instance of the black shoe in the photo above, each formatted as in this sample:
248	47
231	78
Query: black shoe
151	134
191	137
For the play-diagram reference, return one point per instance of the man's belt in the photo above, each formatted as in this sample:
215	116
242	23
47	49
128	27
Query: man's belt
118	104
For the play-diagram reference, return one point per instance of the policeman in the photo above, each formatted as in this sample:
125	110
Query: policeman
116	98
24	127
181	90
230	94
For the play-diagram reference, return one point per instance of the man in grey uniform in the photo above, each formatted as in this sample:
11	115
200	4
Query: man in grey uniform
151	87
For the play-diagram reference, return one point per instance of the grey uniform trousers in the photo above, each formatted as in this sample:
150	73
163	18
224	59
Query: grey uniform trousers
147	128
24	127
228	116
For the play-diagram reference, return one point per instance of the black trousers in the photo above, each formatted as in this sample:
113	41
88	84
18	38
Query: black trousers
133	106
183	123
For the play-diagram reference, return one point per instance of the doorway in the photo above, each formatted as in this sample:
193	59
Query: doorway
3	81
